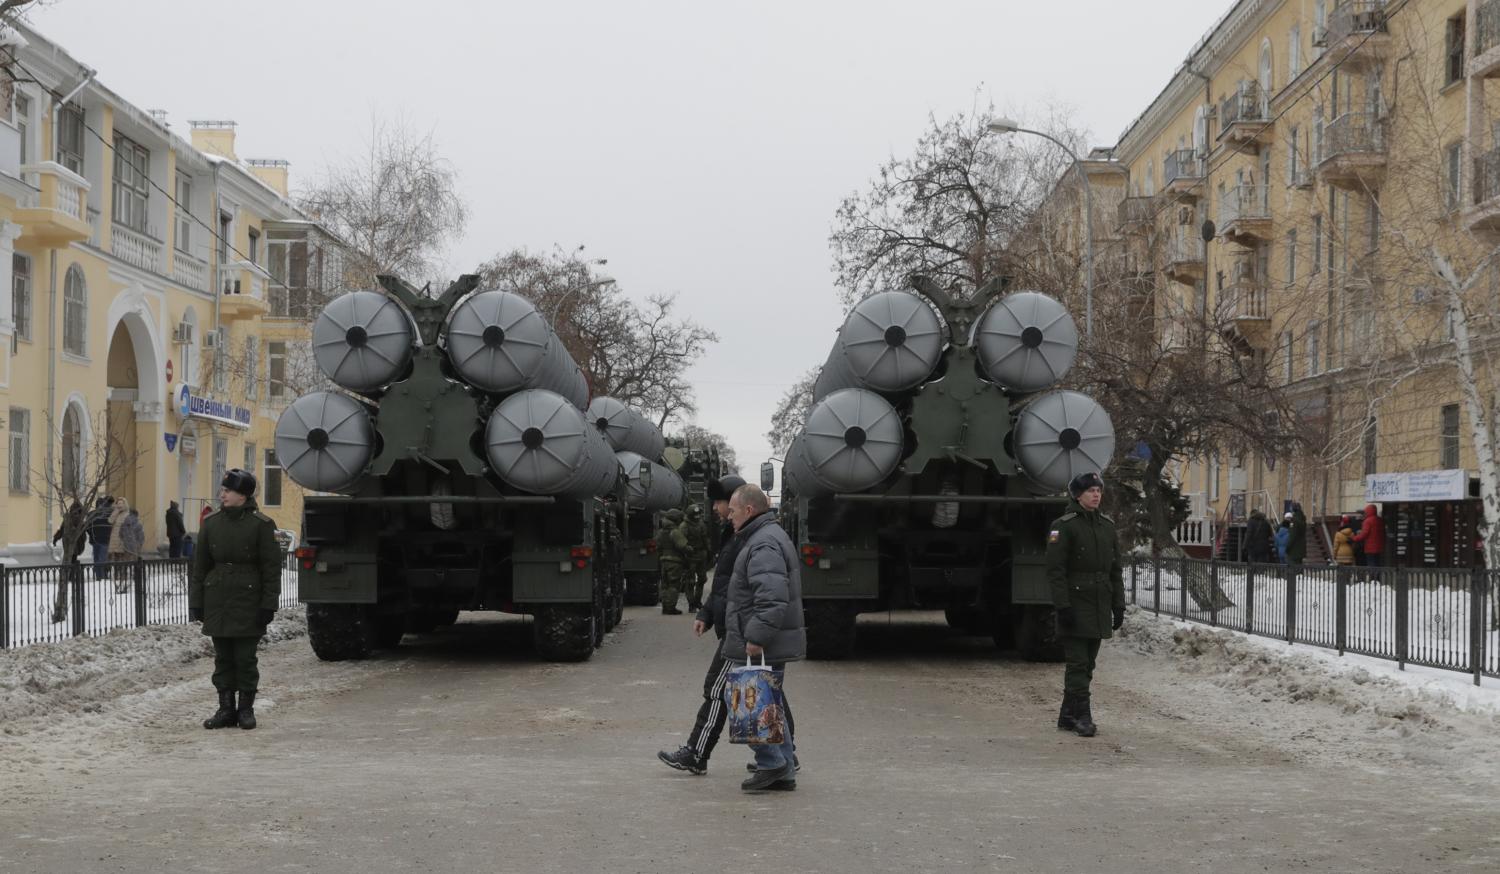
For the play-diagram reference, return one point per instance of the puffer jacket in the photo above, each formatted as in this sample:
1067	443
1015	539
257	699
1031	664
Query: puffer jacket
1371	535
132	536
712	612
764	600
117	517
236	571
1343	546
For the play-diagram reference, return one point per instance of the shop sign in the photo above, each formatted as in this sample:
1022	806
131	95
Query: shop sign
1424	485
213	409
189	444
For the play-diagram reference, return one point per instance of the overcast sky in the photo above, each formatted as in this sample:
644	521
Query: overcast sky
701	147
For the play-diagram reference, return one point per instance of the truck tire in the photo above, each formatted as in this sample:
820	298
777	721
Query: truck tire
830	629
564	634
1036	634
340	631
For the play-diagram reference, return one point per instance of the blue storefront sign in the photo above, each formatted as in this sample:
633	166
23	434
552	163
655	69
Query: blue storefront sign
190	405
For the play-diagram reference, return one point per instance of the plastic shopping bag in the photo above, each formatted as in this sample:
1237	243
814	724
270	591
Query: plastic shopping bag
752	695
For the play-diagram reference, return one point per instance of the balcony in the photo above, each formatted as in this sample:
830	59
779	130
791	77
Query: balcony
1357	36
1244	122
136	248
1245	214
1486	61
1352	155
1137	214
242	291
56	214
1483	215
1183	174
1176	335
189	271
1183	255
1244	305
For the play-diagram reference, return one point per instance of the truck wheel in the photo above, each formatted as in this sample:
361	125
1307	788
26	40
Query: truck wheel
830	629
389	629
340	631
564	634
1036	634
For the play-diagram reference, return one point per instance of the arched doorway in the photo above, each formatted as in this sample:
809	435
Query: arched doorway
123	379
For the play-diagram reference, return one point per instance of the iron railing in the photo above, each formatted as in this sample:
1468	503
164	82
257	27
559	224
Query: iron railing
1182	164
1352	133
1245	105
1487	175
1244	202
1443	618
1356	18
55	602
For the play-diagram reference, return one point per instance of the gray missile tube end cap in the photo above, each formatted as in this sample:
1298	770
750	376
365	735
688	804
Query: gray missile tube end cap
1062	434
1026	342
363	340
325	440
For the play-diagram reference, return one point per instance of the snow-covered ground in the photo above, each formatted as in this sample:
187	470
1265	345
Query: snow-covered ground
1437	627
30	598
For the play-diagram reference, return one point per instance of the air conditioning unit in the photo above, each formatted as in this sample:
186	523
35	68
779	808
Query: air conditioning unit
211	340
182	335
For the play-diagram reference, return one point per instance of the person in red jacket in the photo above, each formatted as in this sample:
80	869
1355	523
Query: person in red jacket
1371	537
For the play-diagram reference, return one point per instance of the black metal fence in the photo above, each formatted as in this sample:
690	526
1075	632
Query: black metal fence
55	602
1437	617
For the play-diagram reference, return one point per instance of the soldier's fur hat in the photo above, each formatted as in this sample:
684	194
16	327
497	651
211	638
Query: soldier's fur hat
1083	482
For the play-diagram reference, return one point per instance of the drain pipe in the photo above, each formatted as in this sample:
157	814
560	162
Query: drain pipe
52	381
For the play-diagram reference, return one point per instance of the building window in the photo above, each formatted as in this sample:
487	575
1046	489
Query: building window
23	126
1453	158
1449	436
75	312
276	370
271	481
1455	56
226	227
184	238
20	294
220	460
254	246
1371	445
1213	477
1312	348
1289	344
132	190
221	364
249	465
252	369
20	450
70	138
72	453
1294	53
1291	256
1293	164
1317	244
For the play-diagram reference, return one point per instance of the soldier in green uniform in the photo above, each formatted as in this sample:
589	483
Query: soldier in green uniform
698	543
672	550
1088	592
234	588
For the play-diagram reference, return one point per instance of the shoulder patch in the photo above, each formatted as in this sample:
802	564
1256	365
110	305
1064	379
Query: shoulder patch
1106	518
1053	535
263	517
1067	516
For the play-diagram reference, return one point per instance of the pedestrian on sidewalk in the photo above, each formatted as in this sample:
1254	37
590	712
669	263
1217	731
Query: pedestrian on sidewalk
1296	543
696	532
175	530
1283	537
234	589
118	513
1371	540
71	534
1088	593
693	756
1258	538
672	551
133	539
98	524
763	617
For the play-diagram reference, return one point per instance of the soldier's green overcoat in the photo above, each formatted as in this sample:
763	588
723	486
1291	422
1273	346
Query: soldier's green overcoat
1083	570
236	571
697	540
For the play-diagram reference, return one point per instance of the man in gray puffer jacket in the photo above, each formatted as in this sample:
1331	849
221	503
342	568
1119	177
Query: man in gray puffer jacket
763	615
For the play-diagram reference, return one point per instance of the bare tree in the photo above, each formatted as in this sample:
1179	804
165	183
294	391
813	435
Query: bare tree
637	352
948	210
791	412
397	205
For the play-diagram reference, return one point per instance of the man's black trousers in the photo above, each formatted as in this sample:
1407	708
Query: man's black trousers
712	713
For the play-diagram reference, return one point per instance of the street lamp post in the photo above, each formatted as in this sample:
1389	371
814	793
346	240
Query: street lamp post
1006	126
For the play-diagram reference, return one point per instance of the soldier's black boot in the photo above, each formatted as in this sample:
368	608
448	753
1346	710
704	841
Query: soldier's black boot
1065	720
1083	720
226	715
247	710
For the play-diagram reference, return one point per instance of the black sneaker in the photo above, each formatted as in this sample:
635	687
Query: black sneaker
796	764
684	760
776	780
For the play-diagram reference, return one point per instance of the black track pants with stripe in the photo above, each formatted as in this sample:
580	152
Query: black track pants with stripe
712	713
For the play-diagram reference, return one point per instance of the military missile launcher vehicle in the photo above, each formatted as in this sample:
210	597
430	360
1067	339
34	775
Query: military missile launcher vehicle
932	461
457	470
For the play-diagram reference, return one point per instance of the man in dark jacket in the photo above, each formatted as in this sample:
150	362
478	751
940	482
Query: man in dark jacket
98	525
763	616
1088	593
1258	538
693	757
71	534
175	531
1296	544
234	589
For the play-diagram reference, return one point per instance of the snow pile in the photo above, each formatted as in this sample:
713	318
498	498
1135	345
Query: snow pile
80	673
1386	698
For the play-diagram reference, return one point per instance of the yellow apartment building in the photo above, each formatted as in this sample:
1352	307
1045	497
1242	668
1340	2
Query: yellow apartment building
160	285
1337	154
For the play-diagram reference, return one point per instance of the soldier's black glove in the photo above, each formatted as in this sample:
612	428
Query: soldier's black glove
1119	618
1065	619
195	614
264	616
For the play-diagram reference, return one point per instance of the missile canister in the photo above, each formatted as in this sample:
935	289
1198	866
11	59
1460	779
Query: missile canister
324	441
540	442
1060	435
666	490
625	428
363	340
498	343
1026	342
852	441
890	342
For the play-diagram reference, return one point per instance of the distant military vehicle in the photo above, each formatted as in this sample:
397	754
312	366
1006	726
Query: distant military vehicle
931	463
467	474
653	488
